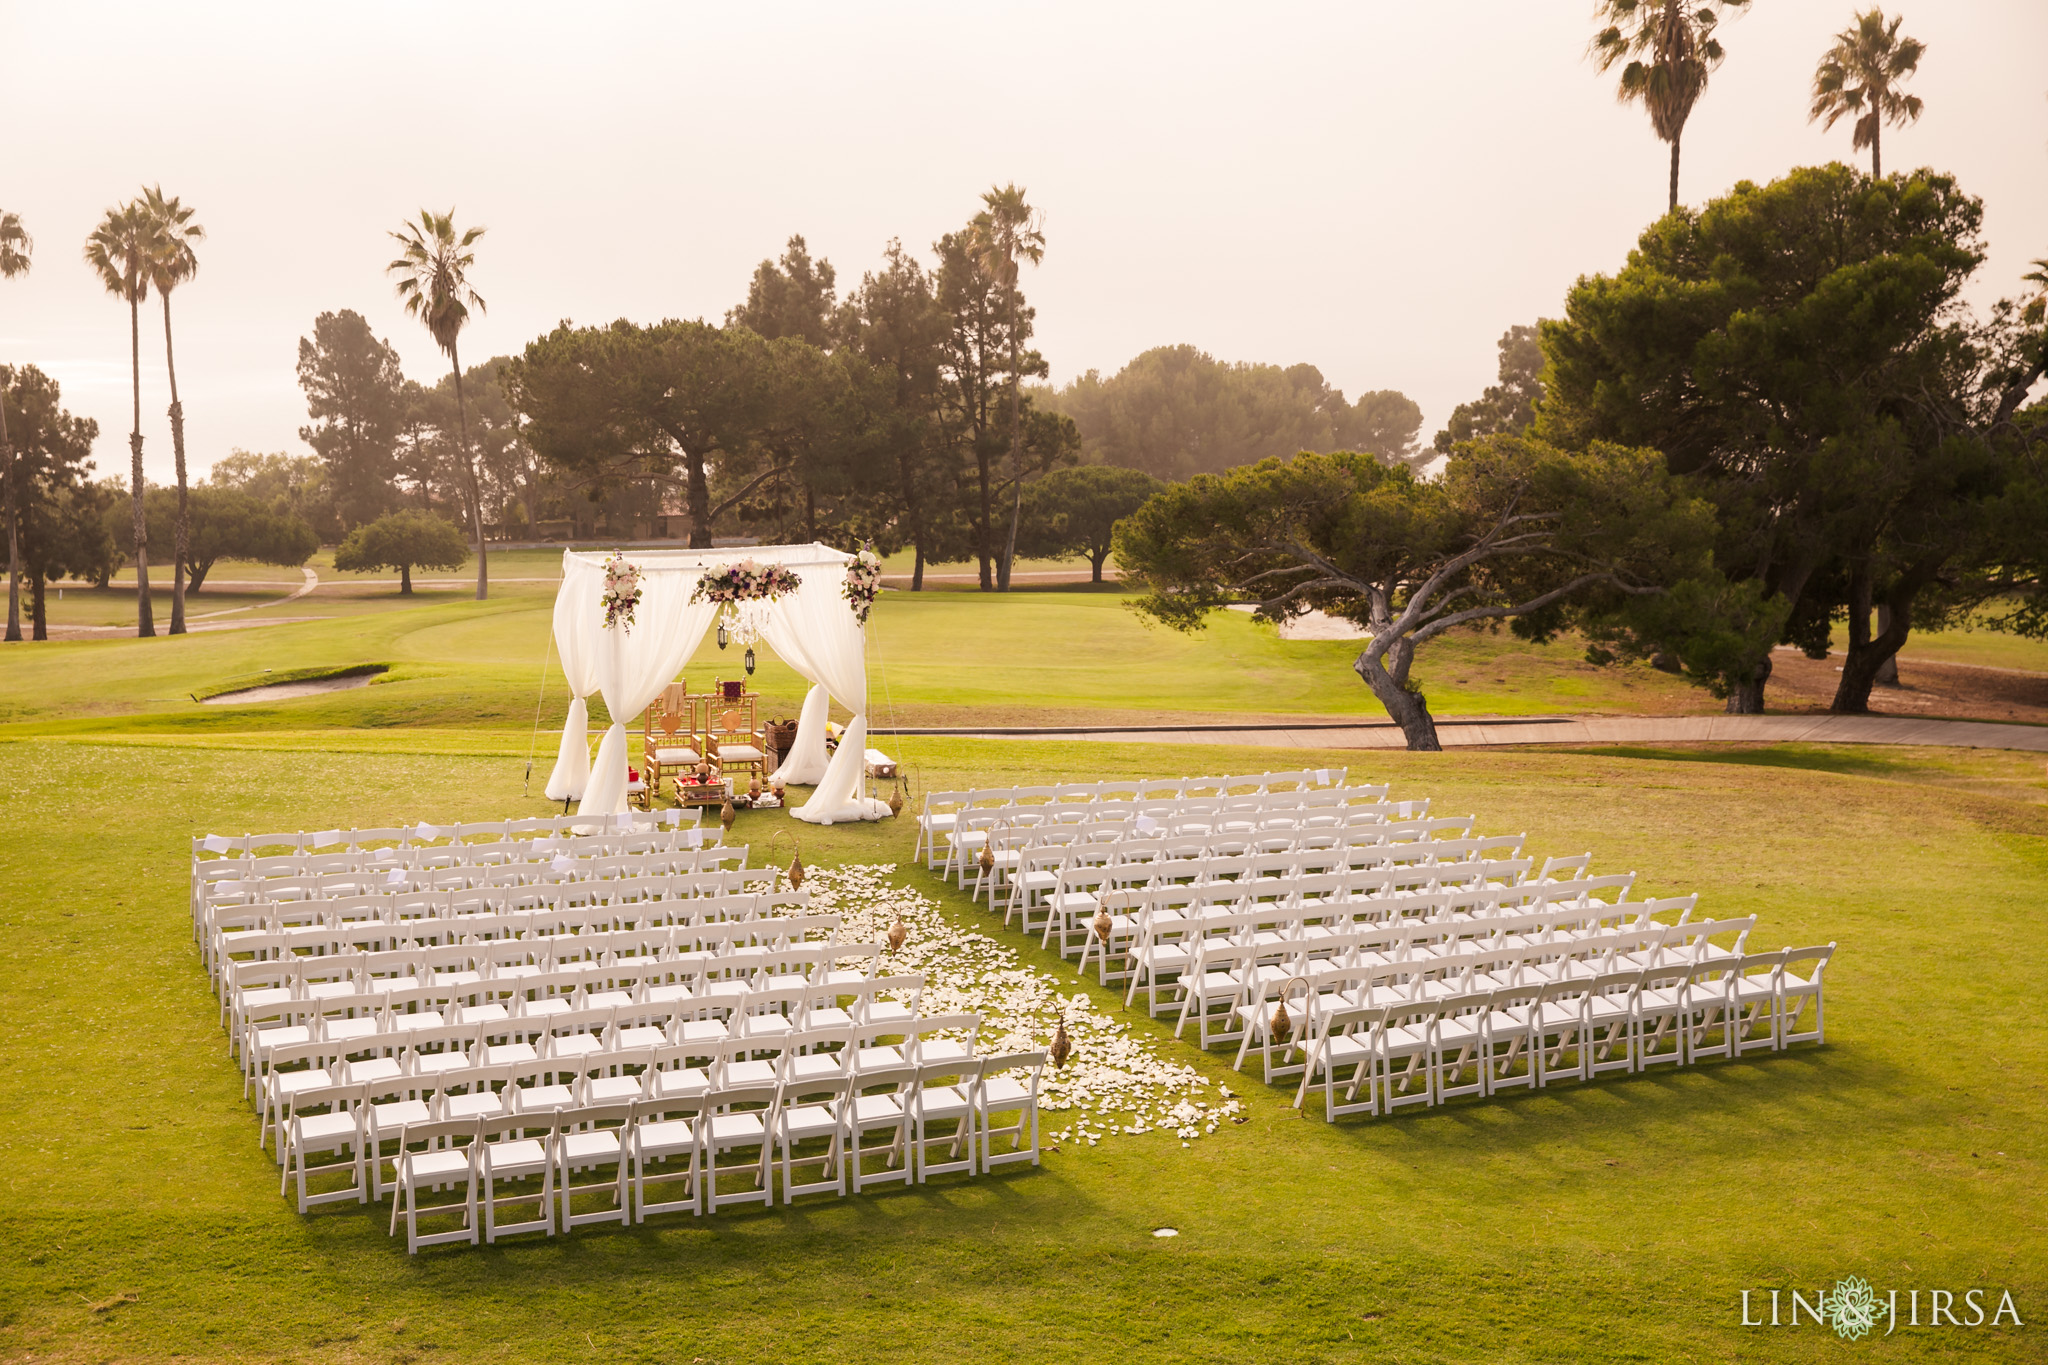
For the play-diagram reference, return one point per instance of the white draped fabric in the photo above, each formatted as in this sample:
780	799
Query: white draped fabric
804	765
816	633
579	613
813	630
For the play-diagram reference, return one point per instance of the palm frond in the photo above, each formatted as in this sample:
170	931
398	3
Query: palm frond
16	247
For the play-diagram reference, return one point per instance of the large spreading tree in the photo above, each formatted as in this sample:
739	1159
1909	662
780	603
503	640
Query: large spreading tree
1512	531
1799	347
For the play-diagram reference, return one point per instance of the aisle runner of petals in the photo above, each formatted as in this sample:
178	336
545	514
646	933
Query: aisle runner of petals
1113	1083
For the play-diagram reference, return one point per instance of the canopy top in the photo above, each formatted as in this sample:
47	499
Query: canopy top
695	561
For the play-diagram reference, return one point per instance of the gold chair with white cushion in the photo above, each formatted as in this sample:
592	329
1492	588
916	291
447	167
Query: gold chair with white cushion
668	743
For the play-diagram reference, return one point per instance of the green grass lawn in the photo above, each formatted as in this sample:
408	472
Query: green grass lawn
934	658
1611	1222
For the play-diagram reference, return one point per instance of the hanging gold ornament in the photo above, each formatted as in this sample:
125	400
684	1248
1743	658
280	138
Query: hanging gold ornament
1062	1046
1281	1027
726	815
1103	924
896	799
898	932
988	859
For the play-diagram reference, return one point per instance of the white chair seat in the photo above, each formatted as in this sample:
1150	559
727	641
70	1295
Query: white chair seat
389	1118
809	1121
674	1084
439	1063
677	756
576	1045
372	1069
811	1065
666	1137
750	1073
875	1109
945	1102
319	1128
481	1104
871	1057
595	1144
942	1050
517	1156
834	1017
605	1000
539	1099
613	1089
701	1031
642	1036
1002	1092
506	1054
292	1082
430	1168
729	1129
739	753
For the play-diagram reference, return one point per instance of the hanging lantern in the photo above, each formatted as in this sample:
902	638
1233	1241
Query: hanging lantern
1062	1046
722	636
726	814
898	932
896	798
750	661
1103	924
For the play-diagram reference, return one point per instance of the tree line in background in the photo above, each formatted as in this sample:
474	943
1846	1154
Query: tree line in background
1776	418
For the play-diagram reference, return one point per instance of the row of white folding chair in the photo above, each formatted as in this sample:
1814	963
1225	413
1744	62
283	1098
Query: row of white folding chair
238	856
521	829
399	880
446	1071
685	899
1000	833
1144	926
344	1008
437	1056
939	808
340	985
1077	893
891	1115
970	830
1432	966
663	927
1627	1020
1165	950
1032	863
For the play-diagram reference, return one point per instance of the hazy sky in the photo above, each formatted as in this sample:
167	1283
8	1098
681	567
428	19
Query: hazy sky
1376	188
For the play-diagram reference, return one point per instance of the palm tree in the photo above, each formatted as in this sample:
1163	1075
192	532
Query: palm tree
1005	233
433	283
15	250
1860	75
121	250
172	262
1671	50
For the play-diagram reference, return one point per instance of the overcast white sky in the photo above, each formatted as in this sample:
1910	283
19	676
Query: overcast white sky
1376	188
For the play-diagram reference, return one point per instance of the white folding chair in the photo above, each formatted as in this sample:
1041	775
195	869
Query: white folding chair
435	1156
1002	1092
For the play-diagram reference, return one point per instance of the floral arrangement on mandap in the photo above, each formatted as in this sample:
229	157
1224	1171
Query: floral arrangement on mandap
621	592
863	583
744	581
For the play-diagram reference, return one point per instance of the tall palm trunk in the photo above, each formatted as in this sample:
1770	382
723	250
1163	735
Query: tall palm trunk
1876	149
1673	206
476	498
145	615
1016	452
13	529
179	536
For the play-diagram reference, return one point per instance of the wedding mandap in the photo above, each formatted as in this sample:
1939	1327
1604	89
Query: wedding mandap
627	622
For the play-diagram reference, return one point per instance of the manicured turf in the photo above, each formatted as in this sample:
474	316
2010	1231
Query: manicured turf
1611	1222
934	658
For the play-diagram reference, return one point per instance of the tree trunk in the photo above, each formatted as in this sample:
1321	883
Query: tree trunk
1672	207
917	571
145	614
1888	671
198	577
1746	698
1407	709
476	496
1859	670
986	550
179	540
1099	558
700	502
13	527
1016	446
41	628
1876	149
405	580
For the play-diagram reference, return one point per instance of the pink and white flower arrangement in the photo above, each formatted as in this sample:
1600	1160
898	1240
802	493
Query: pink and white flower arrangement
863	584
621	592
744	581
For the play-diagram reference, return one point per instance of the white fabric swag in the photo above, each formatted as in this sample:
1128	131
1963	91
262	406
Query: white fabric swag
813	630
579	613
